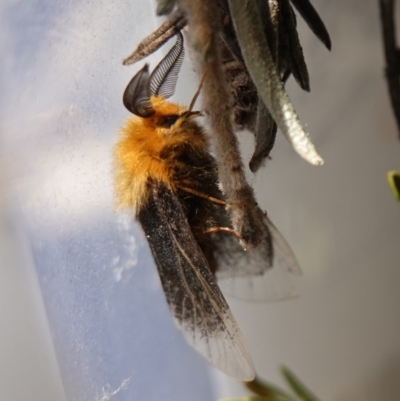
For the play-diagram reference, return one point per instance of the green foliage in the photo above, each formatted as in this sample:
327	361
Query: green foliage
297	386
393	178
264	391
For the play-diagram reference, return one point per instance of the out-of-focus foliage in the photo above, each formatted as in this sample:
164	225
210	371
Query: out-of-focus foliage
393	178
264	391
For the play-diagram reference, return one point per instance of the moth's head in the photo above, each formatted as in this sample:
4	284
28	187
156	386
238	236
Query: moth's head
166	114
146	93
170	115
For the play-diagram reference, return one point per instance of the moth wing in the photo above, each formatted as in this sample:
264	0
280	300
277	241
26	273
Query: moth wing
260	274
283	252
196	302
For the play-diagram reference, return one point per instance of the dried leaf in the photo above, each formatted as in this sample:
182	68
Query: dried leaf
155	40
265	133
291	48
262	69
313	20
164	7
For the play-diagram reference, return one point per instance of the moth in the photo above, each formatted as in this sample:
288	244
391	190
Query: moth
165	174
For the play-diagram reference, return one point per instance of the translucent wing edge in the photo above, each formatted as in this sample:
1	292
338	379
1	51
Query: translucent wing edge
282	250
226	349
203	316
264	281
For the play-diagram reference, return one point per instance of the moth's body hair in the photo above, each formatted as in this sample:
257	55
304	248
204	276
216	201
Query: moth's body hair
150	151
164	147
178	157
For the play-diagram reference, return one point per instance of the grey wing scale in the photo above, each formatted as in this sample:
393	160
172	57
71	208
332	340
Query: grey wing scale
198	306
260	274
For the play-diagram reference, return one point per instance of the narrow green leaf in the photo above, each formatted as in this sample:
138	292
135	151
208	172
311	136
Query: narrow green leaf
393	178
267	390
297	386
254	398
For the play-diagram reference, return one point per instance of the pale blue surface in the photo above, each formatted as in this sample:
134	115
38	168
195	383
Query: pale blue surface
60	115
106	331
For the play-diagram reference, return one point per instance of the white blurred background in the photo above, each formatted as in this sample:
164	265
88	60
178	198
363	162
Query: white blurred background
73	271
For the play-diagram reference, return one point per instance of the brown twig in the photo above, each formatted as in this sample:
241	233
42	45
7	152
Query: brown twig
392	70
155	40
204	31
